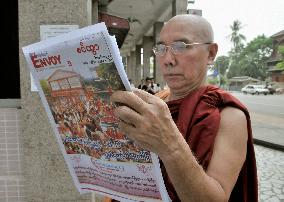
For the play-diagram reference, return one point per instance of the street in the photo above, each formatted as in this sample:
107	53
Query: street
267	116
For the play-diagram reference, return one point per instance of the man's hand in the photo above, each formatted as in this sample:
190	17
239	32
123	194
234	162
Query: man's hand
146	119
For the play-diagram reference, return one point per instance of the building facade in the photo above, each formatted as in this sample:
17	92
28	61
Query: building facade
276	74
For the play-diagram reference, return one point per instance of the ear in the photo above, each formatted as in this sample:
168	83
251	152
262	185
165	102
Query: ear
213	49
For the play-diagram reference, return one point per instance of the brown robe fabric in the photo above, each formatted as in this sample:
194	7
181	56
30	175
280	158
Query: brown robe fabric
198	117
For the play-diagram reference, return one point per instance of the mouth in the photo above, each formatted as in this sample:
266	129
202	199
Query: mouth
172	76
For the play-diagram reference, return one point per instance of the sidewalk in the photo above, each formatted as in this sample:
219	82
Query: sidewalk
270	173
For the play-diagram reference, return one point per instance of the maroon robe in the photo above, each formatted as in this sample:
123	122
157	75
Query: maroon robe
198	118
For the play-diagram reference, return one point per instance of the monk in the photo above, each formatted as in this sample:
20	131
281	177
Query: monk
201	133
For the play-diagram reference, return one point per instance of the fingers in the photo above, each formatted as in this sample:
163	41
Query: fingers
154	102
127	129
146	97
131	132
124	127
129	99
128	115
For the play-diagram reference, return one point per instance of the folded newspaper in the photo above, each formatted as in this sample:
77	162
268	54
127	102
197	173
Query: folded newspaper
76	73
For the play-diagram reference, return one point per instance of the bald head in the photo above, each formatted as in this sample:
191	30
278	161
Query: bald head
191	62
198	26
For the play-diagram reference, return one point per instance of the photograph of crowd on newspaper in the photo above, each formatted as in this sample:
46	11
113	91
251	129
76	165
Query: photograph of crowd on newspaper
84	114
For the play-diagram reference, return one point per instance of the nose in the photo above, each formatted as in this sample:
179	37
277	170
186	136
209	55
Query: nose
168	58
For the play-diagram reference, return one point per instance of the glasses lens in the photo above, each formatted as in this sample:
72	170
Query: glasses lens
160	49
178	47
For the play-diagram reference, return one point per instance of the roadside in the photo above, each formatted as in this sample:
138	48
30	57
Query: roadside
266	117
268	131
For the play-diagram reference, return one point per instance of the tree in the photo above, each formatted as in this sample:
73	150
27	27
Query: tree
109	73
213	81
222	64
254	57
234	69
280	65
218	80
236	37
45	87
251	61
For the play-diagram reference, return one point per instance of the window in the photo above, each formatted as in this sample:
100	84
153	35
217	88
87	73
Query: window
54	85
74	82
64	84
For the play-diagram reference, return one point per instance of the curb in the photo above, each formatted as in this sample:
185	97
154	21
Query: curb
269	145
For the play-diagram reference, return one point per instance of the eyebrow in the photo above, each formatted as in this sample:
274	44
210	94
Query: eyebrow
181	39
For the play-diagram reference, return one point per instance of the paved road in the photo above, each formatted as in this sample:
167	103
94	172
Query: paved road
267	116
265	104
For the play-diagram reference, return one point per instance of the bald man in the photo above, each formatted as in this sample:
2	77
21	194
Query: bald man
201	133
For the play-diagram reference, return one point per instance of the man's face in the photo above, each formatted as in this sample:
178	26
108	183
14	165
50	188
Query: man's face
186	70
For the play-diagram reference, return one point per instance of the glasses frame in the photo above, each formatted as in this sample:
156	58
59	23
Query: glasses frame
172	49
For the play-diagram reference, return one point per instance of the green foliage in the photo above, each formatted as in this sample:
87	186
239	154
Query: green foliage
45	87
280	65
220	81
251	60
98	85
281	50
109	73
223	80
222	64
245	60
213	81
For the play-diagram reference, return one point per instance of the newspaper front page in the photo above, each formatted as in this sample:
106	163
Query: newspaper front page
76	73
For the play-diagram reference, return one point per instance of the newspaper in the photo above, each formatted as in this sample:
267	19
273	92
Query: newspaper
76	73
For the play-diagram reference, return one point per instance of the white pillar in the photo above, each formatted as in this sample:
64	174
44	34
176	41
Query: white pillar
137	78
179	7
147	53
157	73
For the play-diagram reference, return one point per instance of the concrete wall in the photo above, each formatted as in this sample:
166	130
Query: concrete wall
46	175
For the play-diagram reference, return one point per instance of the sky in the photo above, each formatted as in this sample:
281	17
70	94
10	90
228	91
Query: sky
257	17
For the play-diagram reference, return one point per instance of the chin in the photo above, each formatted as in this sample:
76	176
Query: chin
182	87
175	85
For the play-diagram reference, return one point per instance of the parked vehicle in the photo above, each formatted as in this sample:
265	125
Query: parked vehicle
279	90
270	89
255	89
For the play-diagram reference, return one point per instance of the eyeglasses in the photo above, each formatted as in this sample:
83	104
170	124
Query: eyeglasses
177	47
